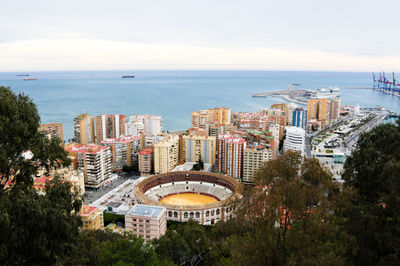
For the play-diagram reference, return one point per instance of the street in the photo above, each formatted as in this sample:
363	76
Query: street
91	195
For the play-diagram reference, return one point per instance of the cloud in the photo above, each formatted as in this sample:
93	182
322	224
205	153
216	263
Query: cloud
75	52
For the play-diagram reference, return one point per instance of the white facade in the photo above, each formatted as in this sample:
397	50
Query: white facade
151	125
295	140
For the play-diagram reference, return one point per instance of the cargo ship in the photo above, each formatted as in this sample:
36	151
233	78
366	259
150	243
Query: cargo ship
128	77
30	79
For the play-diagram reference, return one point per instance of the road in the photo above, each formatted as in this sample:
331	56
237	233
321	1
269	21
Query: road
92	195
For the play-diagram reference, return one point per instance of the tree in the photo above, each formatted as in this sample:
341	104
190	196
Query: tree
128	250
39	229
186	244
288	216
198	166
19	123
370	210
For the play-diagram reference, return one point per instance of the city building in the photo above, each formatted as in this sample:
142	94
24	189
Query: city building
219	115
234	157
230	151
299	118
84	129
53	130
295	139
146	160
124	151
199	147
166	155
324	106
95	161
134	127
151	125
195	131
109	126
254	158
68	174
145	221
215	129
152	140
266	139
289	113
92	218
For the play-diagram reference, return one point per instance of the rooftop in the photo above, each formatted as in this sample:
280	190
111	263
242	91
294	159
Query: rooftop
146	210
122	139
82	148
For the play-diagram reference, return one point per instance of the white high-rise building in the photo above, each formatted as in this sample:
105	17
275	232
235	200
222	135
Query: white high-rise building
151	125
295	140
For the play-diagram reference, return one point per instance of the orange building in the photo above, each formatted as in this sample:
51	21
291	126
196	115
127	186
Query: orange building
146	160
124	151
110	126
53	130
91	217
84	129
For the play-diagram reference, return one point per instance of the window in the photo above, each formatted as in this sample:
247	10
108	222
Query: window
140	221
134	220
170	214
191	215
135	225
197	215
212	213
218	211
147	221
185	215
207	213
175	215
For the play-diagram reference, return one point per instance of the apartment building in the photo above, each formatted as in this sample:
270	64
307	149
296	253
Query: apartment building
295	139
92	218
146	160
166	155
299	118
84	129
145	221
151	125
254	158
234	157
53	130
324	106
124	151
94	160
109	126
230	151
219	115
199	147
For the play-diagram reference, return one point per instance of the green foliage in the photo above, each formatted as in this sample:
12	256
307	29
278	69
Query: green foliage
370	212
113	218
38	229
19	123
288	216
186	244
127	250
198	166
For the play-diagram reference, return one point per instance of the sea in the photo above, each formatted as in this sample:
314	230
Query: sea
174	94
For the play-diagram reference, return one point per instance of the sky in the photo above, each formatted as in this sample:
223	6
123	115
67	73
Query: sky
334	35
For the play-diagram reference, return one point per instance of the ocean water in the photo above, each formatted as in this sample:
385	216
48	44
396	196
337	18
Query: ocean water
61	96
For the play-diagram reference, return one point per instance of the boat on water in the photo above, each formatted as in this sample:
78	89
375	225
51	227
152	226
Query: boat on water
128	76
30	79
23	75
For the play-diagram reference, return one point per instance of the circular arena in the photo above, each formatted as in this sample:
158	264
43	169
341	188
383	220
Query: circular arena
201	196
